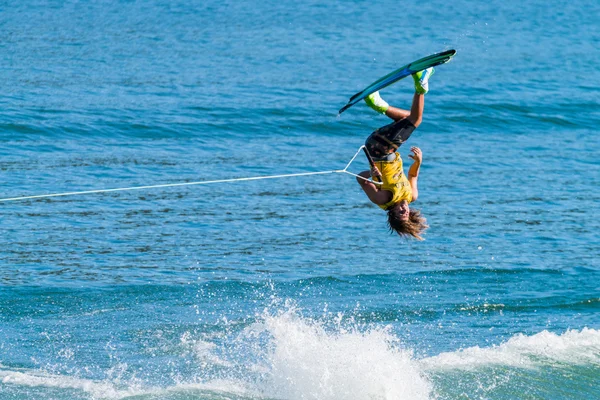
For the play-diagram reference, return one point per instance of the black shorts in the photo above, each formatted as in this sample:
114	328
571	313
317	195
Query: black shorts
388	138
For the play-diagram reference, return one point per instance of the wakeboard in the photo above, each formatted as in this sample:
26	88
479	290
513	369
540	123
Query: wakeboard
402	72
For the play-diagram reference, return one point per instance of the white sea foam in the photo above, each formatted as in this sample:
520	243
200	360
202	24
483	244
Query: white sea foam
32	378
108	390
572	347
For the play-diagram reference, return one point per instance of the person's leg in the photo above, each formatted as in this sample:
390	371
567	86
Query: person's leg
416	110
387	139
375	101
421	79
397	113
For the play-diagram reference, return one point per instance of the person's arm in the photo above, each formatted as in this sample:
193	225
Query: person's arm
373	192
413	172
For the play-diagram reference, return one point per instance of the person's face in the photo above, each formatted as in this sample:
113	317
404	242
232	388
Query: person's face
404	210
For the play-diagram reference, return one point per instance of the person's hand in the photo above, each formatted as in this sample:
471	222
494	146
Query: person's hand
375	172
417	156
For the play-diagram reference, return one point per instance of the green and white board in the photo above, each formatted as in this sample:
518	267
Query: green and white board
400	73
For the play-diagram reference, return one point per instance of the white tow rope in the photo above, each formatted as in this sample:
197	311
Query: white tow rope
254	178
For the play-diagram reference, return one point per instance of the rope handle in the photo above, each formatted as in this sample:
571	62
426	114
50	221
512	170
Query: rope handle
371	162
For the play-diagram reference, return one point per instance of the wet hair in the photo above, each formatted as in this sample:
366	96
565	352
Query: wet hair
414	226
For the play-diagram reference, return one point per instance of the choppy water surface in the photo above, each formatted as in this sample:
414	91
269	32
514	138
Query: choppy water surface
292	288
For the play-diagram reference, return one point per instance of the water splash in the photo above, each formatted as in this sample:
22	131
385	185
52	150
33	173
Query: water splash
305	360
285	355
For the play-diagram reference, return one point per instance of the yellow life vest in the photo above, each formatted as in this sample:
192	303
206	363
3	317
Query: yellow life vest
394	180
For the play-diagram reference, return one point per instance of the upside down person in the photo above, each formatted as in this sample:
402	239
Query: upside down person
395	191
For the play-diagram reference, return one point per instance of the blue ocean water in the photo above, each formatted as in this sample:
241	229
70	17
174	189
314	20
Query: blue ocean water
293	288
